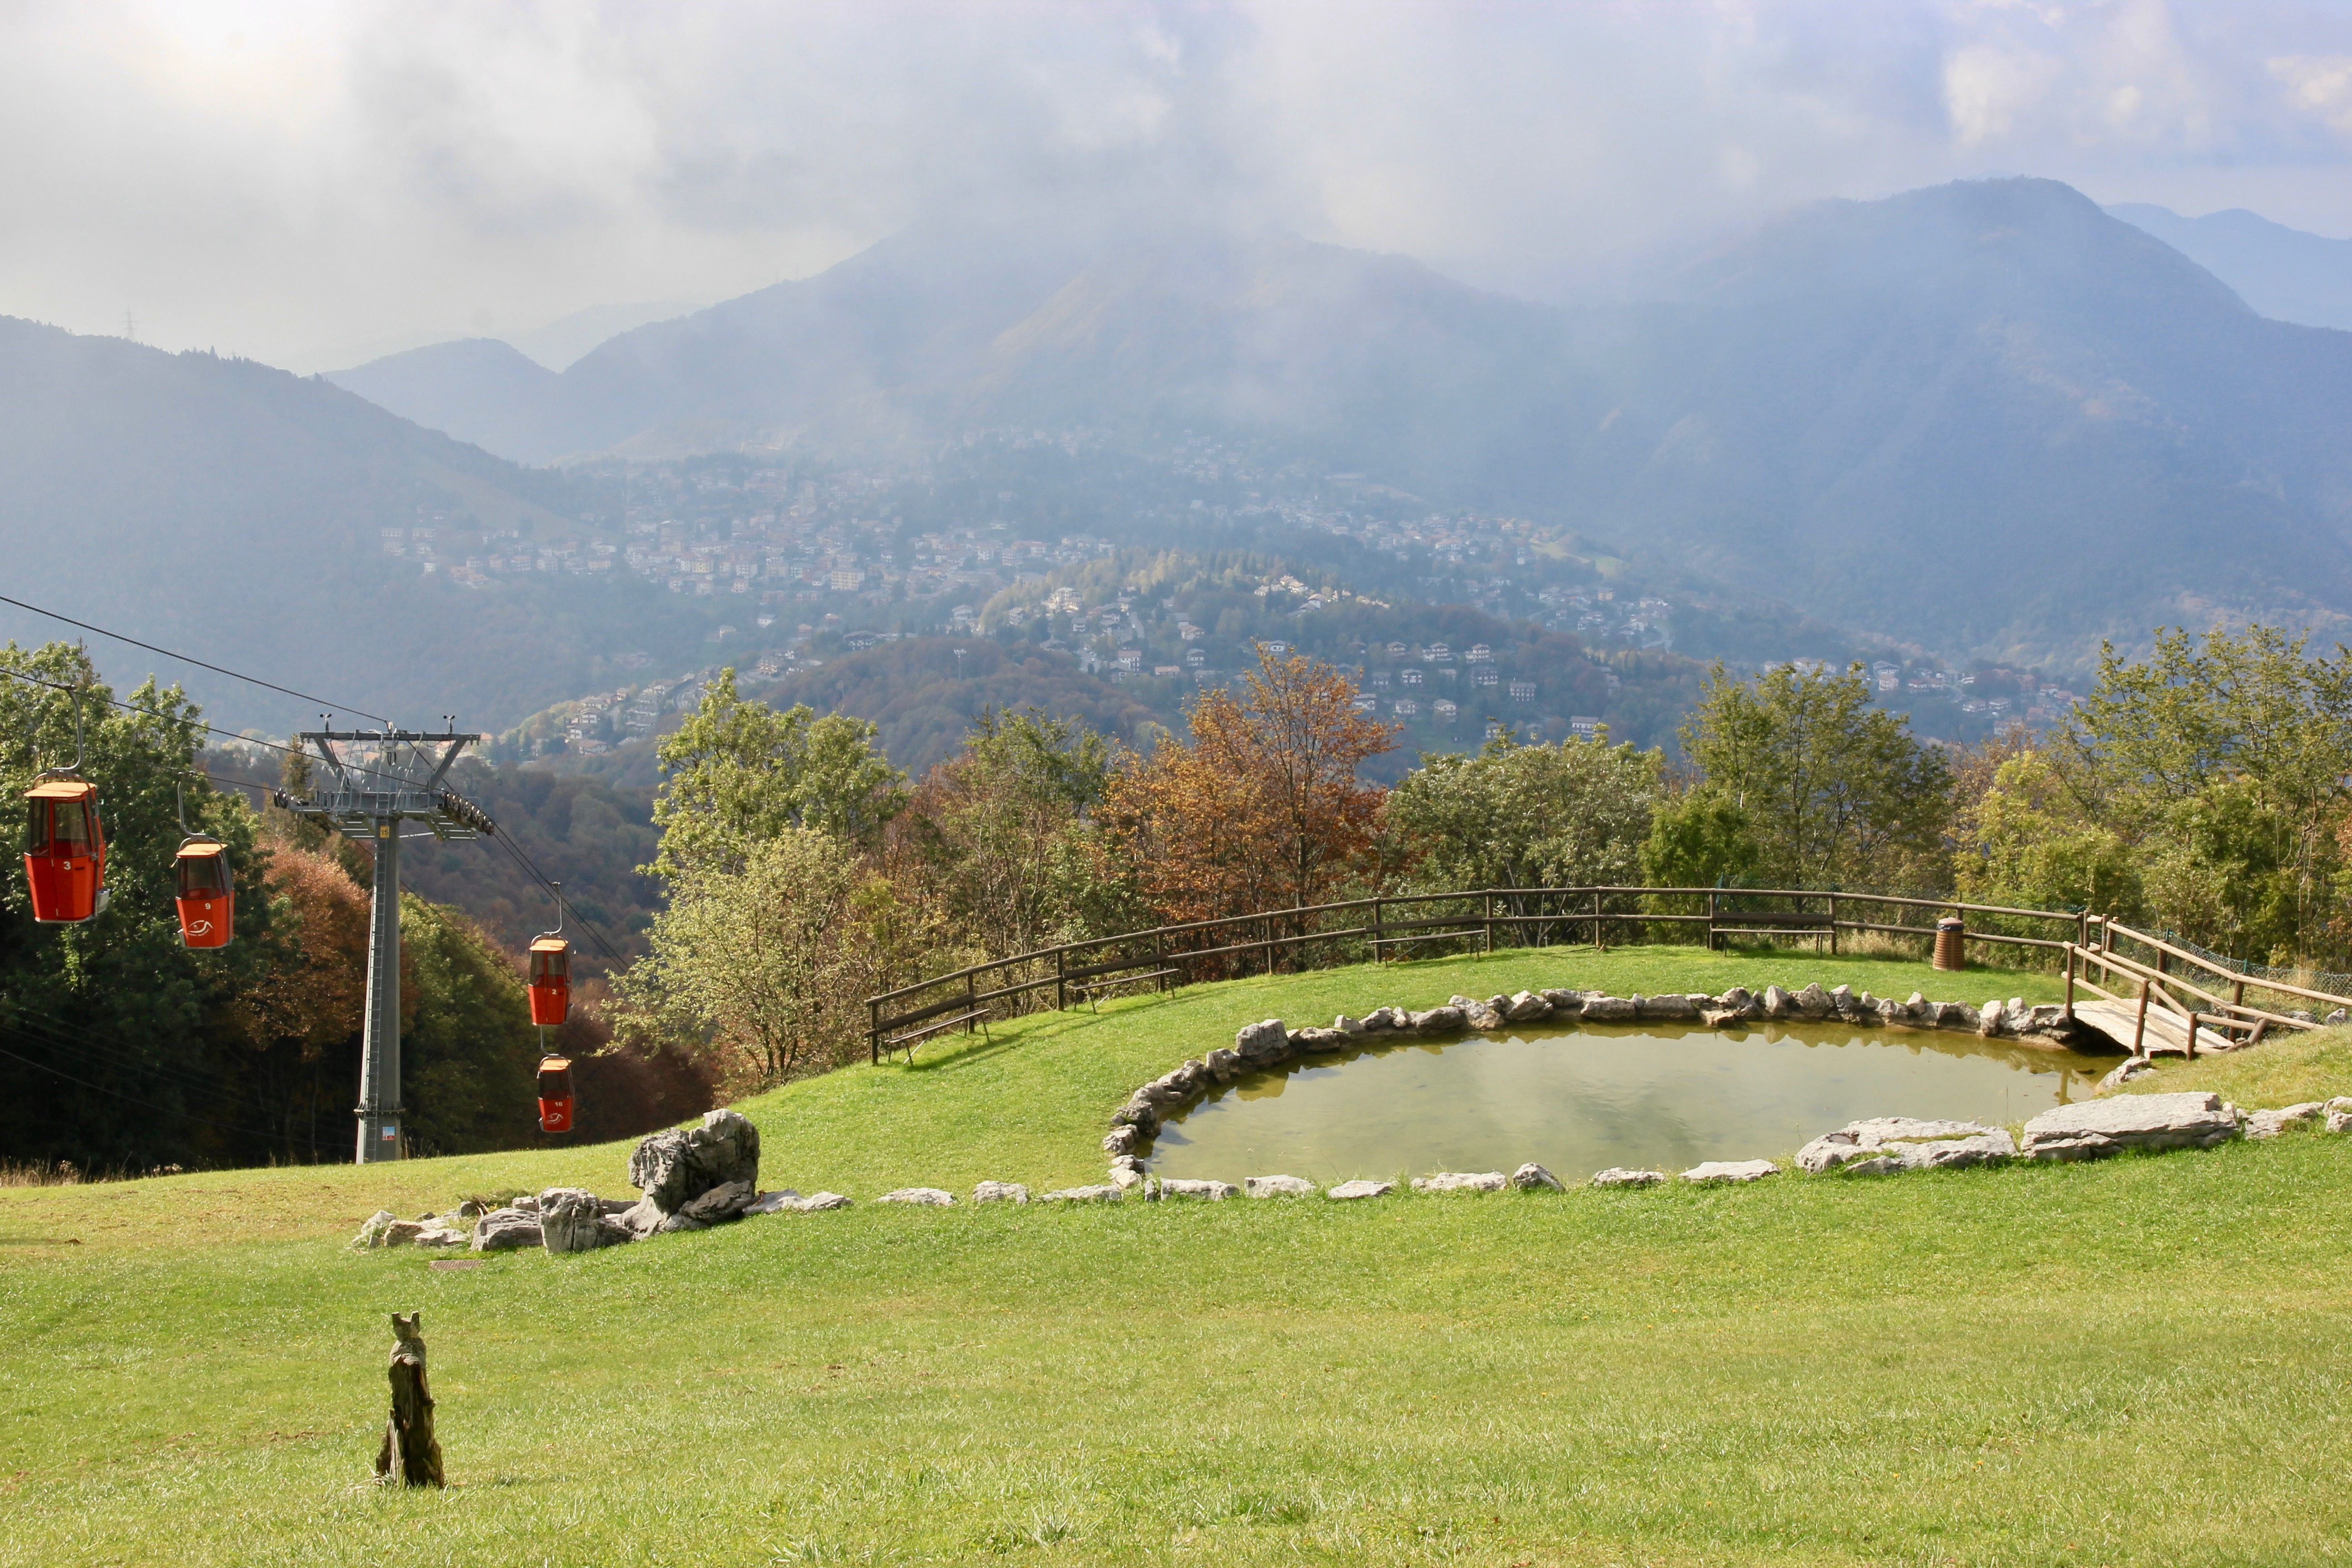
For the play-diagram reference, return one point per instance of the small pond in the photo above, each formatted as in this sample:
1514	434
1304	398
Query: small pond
1579	1100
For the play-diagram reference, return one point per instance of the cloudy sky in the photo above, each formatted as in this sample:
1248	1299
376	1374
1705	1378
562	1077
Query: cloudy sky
310	182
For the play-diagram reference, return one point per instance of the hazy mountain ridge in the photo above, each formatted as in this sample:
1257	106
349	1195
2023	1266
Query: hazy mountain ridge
234	510
2281	273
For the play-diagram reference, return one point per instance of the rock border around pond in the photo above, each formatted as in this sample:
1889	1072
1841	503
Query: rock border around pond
1270	1043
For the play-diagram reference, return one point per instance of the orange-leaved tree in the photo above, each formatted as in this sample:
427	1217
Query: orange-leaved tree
1261	807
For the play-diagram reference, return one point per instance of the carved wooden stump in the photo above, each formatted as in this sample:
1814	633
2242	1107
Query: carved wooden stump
409	1434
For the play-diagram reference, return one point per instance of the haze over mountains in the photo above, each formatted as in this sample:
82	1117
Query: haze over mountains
1986	417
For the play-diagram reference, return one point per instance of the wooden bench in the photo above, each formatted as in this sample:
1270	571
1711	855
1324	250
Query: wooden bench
1092	989
915	1036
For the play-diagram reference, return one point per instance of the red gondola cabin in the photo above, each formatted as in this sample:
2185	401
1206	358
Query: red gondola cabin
555	1094
550	980
65	856
206	897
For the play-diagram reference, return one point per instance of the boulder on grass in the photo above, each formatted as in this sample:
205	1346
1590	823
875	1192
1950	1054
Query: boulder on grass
1708	1173
570	1219
783	1201
1277	1188
1884	1144
1461	1182
1215	1191
725	1201
1445	1020
927	1197
1526	1007
1348	1192
1622	1176
674	1168
2271	1123
1000	1193
1095	1194
2097	1127
1531	1176
501	1230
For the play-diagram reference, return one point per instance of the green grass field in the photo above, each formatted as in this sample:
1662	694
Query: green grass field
2139	1361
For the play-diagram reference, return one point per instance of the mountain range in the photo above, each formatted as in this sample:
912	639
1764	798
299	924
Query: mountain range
1986	417
235	511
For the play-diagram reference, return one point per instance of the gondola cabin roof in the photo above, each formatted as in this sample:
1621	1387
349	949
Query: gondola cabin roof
550	944
62	789
188	851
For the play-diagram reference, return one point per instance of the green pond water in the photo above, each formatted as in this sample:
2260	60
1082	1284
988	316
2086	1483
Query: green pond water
1579	1100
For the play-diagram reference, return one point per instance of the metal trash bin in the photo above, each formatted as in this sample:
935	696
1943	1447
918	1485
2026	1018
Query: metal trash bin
1951	942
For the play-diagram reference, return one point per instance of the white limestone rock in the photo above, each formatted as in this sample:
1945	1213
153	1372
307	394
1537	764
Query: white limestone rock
1277	1188
1608	1009
932	1197
1531	1176
1526	1007
1214	1192
782	1202
1127	1178
724	1202
2271	1123
1262	1042
1666	1009
1347	1192
372	1230
1461	1182
1624	1176
2097	1127
1884	1144
2128	1070
502	1230
1445	1020
1096	1194
1778	1003
570	1219
1712	1172
1001	1192
1565	1003
1122	1139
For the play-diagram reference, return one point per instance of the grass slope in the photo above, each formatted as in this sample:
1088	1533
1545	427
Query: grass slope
2128	1362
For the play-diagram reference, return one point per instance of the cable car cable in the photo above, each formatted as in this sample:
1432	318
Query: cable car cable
134	1099
506	841
185	659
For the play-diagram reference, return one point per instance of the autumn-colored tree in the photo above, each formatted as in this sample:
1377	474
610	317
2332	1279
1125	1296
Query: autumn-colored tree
1261	807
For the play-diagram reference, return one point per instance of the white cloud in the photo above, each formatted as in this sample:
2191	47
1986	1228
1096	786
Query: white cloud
282	179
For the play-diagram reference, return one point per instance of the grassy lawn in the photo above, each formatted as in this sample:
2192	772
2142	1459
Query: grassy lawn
2137	1361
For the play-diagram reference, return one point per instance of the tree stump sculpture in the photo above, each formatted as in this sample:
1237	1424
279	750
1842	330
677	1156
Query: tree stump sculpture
408	1437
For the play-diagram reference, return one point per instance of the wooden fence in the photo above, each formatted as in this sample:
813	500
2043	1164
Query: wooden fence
2158	997
1377	928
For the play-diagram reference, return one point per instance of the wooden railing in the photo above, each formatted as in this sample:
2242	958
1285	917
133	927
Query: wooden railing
2160	982
1376	927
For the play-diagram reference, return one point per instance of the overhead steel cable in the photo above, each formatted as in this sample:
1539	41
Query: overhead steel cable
188	659
521	859
132	1099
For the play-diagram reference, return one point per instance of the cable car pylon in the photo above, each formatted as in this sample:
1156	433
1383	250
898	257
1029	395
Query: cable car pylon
369	804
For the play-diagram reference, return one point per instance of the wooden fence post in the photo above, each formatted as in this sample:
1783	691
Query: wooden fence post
970	1000
1833	925
1379	952
1061	980
408	1435
2070	984
1487	900
874	1032
2139	1028
1599	940
1714	942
